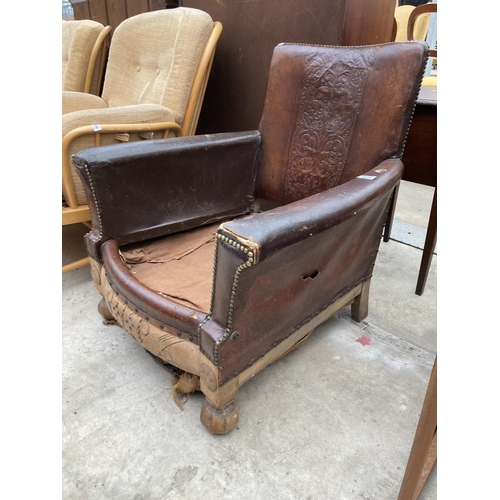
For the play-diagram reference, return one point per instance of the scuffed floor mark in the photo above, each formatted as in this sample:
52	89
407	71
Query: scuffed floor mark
185	474
364	340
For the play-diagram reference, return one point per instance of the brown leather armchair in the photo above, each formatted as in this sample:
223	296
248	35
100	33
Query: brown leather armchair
221	253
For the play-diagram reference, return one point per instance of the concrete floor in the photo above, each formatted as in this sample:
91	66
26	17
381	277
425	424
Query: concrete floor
335	419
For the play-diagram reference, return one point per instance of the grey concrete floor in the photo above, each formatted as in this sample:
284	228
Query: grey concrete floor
334	419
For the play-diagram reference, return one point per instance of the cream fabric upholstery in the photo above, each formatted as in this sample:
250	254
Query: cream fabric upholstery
152	63
77	101
78	40
401	14
153	55
140	113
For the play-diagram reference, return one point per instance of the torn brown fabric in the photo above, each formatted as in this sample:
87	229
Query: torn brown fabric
179	267
172	247
182	385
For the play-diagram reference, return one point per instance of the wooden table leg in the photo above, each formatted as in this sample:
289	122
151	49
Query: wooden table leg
429	246
390	214
423	452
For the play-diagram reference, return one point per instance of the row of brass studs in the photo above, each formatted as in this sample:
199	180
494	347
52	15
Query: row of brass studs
95	198
297	327
229	321
206	354
208	317
244	265
412	111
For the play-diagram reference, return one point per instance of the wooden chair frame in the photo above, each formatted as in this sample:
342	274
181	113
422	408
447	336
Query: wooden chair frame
200	82
72	213
102	42
423	454
416	12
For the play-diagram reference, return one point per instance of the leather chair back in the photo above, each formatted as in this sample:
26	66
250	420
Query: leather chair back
329	115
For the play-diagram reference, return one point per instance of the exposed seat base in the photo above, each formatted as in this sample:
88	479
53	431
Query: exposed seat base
179	267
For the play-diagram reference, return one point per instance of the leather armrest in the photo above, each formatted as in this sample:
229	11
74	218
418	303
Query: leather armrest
280	227
147	189
277	270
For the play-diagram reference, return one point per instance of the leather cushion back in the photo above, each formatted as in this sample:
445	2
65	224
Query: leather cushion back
333	113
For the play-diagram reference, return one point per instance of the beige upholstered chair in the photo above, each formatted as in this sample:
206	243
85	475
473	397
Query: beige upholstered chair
401	16
413	33
84	52
157	71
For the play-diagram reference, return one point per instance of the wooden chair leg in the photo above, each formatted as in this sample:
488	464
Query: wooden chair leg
423	453
428	465
390	214
429	246
104	311
220	420
76	265
220	411
359	308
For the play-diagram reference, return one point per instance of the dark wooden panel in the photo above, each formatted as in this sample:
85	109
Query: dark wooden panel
98	12
236	90
80	9
90	9
117	12
157	4
134	7
113	12
420	153
368	22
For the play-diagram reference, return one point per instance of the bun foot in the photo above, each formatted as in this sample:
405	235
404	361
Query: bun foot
105	312
220	420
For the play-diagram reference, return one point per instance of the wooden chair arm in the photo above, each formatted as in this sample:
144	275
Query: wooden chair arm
276	229
200	82
279	270
415	13
99	44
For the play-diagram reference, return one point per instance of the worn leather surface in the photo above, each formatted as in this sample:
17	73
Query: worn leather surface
305	255
351	110
148	189
331	142
148	302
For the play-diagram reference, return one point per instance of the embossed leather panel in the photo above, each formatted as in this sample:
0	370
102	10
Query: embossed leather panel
334	113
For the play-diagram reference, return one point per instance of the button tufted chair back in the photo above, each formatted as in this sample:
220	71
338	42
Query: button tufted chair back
83	51
151	57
